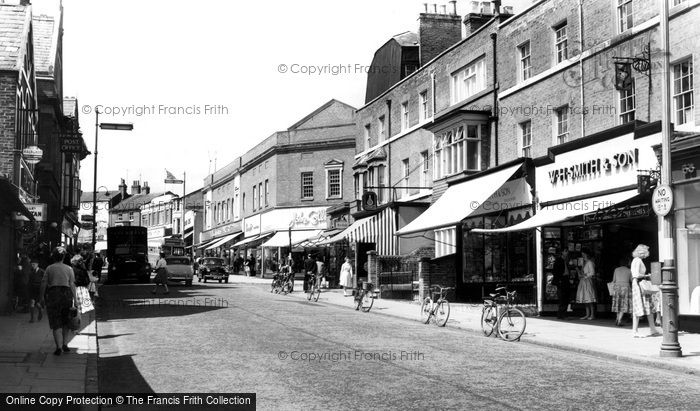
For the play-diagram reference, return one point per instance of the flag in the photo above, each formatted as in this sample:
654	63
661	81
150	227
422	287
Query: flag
171	179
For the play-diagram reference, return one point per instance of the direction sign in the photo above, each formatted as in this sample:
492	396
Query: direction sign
662	200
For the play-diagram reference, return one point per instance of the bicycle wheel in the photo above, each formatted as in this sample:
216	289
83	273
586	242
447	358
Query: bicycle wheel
309	293
425	310
511	324
442	313
286	288
358	299
367	301
317	293
488	320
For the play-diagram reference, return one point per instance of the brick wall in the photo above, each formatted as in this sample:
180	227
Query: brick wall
437	32
8	101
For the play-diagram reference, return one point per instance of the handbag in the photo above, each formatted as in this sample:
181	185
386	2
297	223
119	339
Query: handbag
74	323
647	287
611	288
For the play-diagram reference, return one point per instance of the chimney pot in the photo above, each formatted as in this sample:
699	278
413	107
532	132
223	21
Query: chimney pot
443	9
453	9
435	8
425	7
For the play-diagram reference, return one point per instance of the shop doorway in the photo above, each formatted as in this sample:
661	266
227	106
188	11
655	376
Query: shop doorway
361	260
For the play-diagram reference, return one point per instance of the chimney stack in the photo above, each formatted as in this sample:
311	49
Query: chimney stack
453	9
135	188
437	32
146	189
122	189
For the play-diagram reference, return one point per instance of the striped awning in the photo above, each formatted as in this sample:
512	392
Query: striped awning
282	238
379	229
223	241
316	241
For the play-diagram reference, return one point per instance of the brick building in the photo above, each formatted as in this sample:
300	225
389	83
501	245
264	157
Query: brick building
281	188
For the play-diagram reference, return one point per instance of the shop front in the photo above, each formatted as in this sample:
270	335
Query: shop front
589	201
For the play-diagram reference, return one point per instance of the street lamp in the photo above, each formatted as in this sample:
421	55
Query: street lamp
104	126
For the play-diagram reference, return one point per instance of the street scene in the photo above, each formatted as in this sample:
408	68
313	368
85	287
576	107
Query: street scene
311	205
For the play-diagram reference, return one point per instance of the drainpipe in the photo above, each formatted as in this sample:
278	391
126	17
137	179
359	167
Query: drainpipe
494	110
580	67
388	146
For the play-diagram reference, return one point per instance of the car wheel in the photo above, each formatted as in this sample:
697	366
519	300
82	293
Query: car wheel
188	282
219	281
205	279
226	281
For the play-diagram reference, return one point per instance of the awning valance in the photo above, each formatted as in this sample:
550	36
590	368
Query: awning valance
251	239
281	238
222	241
320	238
560	212
459	201
379	229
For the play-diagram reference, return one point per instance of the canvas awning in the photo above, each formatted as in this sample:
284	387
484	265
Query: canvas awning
459	201
560	212
320	238
251	239
281	238
222	241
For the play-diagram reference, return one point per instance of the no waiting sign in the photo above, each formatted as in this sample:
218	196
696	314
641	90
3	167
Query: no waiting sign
662	200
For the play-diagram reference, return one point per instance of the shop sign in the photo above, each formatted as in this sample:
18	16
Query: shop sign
308	218
226	229
71	143
189	219
38	210
607	165
662	200
251	225
617	213
156	232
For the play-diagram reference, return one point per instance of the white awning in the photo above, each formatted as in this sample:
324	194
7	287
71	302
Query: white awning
459	201
222	241
281	238
559	212
250	240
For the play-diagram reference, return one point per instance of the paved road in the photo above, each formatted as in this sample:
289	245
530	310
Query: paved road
295	354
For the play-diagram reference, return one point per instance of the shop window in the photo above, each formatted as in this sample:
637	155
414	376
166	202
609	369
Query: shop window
625	15
307	185
445	241
561	42
628	104
683	103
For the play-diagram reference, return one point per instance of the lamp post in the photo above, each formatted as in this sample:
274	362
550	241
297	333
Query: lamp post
104	126
669	287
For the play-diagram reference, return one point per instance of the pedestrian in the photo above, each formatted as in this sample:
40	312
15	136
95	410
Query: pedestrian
161	274
641	303
20	283
621	295
321	270
95	275
310	270
58	287
585	294
560	278
346	280
33	290
82	282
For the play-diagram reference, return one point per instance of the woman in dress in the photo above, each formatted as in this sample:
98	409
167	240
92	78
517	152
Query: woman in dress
346	277
82	282
161	275
58	285
622	278
641	303
585	294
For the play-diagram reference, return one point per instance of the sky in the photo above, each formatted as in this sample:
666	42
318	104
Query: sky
204	81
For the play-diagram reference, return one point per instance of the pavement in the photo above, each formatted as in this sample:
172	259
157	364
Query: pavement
599	338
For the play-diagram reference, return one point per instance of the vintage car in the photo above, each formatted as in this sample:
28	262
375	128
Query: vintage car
212	268
179	269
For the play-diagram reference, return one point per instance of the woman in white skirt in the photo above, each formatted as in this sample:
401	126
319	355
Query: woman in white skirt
642	304
346	280
585	294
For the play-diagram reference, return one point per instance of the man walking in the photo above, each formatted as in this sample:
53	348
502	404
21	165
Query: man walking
560	278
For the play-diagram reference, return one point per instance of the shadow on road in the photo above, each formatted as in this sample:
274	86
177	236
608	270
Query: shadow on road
120	375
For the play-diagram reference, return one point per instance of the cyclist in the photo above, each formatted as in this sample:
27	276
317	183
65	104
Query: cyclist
310	271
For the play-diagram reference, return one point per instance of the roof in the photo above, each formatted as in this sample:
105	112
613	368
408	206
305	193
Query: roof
44	29
318	110
15	21
406	39
86	196
136	201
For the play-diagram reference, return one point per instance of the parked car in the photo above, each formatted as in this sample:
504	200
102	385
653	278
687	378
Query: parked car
179	269
212	268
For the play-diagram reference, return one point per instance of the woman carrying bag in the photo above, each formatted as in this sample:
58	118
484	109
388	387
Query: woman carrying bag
641	301
161	275
58	289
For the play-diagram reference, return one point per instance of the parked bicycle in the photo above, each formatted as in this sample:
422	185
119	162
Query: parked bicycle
282	282
499	314
439	309
364	296
313	291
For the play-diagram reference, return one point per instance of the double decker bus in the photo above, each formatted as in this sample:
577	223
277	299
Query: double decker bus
126	254
171	246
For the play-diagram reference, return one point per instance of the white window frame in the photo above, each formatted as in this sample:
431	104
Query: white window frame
381	128
445	241
625	13
423	106
684	114
525	136
524	61
368	136
267	193
330	170
468	80
303	186
627	103
561	42
451	149
405	175
561	122
425	169
405	119
255	195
